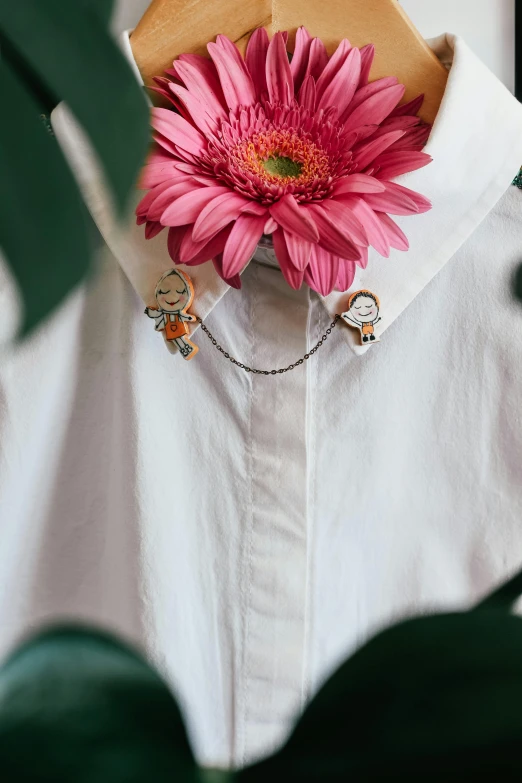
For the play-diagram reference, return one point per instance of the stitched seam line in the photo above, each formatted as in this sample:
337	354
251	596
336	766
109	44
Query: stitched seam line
312	380
249	544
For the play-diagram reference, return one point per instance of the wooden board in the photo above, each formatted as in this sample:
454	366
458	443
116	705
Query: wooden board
400	49
171	27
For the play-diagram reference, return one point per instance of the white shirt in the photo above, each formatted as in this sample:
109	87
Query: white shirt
248	531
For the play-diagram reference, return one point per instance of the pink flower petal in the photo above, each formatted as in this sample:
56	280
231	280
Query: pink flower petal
177	130
187	208
164	91
299	251
365	153
342	88
158	155
187	168
194	253
255	58
270	226
343	217
423	204
333	65
234	77
170	195
375	232
292	275
208	73
153	174
290	216
396	236
233	282
357	183
392	164
374	109
307	94
366	92
331	237
152	229
203	121
397	200
405	123
254	208
359	134
241	244
229	46
175	238
345	274
408	125
161	81
167	145
299	63
367	55
204	87
317	59
142	209
321	273
279	78
414	139
210	181
217	214
412	107
394	203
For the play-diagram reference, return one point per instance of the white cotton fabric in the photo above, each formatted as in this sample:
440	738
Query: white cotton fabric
250	532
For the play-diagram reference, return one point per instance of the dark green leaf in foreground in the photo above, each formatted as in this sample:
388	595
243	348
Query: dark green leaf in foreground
504	596
436	699
75	57
33	85
77	706
42	221
101	8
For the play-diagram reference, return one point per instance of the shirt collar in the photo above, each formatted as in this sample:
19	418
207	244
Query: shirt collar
476	145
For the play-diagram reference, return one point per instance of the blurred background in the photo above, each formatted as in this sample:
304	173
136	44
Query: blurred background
486	25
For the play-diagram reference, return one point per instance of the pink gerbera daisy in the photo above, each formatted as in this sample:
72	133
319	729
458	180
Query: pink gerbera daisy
303	150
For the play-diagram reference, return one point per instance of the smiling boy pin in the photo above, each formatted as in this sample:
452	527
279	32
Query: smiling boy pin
363	314
174	295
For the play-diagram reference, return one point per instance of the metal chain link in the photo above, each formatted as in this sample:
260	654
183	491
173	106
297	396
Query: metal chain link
268	372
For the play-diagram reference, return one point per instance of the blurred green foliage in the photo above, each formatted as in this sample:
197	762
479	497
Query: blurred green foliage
433	699
56	51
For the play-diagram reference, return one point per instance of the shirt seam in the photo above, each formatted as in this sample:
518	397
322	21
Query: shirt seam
248	568
311	387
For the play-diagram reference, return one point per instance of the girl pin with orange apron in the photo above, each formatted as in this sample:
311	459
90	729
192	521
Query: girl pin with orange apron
174	294
363	314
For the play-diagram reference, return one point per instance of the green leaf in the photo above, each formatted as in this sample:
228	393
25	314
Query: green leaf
77	706
33	84
43	230
433	699
79	63
504	596
101	8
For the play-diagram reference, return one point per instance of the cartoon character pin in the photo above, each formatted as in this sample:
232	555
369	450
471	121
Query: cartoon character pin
363	314
174	295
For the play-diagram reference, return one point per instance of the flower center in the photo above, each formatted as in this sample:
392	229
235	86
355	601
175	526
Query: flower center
281	166
281	156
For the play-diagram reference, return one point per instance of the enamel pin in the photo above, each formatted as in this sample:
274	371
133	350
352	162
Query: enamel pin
174	295
363	314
